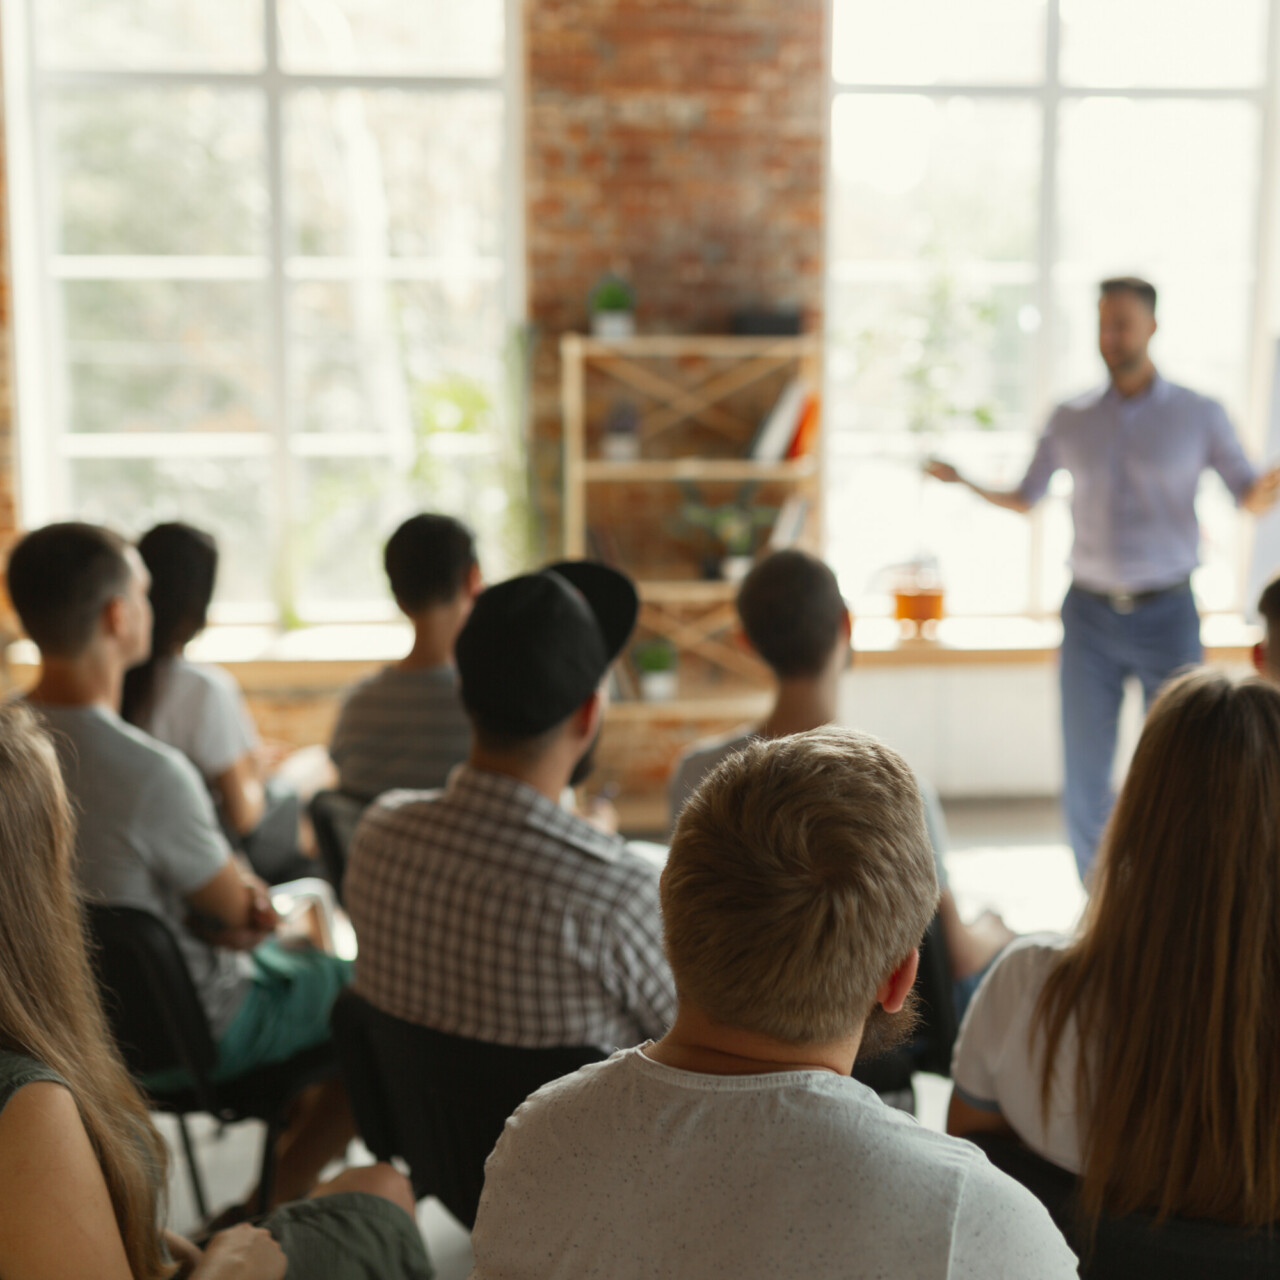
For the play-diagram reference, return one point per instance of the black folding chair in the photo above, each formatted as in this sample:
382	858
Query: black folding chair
438	1101
1136	1245
334	817
159	1024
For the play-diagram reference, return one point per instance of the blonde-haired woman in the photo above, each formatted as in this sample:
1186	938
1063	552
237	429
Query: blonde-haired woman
81	1165
1144	1055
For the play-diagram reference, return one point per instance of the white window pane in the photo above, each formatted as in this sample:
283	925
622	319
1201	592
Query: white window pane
365	352
935	41
229	498
1174	43
167	356
222	35
158	171
427	37
1165	190
951	178
385	174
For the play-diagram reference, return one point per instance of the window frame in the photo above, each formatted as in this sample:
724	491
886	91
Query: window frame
44	448
1050	93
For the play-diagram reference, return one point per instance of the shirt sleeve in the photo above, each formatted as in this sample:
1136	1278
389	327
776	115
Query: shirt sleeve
986	1023
1226	456
1044	462
639	976
223	731
185	847
1002	1232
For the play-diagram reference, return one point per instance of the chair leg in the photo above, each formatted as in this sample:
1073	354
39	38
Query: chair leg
197	1185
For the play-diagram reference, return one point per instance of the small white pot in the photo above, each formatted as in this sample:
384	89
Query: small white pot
658	686
620	446
613	324
735	568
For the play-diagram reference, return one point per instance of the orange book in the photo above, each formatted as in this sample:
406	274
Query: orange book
806	428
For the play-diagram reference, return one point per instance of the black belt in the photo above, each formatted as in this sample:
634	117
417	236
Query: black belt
1128	601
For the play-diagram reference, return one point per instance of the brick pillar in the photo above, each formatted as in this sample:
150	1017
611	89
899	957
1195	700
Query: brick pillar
680	144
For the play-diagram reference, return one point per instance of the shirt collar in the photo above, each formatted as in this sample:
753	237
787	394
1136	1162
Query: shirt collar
1156	391
520	804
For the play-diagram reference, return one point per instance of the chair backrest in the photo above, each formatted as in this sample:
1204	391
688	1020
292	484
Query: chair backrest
436	1100
1136	1245
334	817
150	1000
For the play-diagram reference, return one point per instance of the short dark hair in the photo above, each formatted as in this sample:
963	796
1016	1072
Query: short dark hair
792	611
1141	289
428	559
1269	601
61	578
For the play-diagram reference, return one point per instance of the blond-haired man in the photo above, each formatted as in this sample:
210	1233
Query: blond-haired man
799	884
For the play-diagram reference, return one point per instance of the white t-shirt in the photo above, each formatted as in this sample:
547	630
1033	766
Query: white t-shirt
996	1067
630	1168
201	711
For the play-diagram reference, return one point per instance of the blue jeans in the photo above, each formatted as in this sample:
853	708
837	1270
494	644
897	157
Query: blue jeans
1100	648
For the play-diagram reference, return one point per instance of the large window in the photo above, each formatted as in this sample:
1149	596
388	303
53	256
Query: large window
991	160
265	260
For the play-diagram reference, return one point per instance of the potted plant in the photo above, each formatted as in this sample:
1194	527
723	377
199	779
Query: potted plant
655	662
613	308
733	529
621	439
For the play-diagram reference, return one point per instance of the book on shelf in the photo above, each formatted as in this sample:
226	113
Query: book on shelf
789	523
806	429
779	426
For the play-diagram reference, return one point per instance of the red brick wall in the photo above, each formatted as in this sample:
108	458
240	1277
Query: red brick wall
680	144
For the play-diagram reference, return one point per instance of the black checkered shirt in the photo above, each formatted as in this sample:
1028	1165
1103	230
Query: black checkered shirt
486	910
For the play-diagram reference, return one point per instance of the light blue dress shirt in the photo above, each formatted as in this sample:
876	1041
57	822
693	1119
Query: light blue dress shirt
1136	464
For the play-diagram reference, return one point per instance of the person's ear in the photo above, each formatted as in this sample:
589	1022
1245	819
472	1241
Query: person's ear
741	641
893	991
113	619
586	719
1260	657
475	580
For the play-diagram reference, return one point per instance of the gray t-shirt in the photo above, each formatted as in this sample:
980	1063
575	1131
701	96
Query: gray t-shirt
703	756
400	729
146	836
630	1168
200	710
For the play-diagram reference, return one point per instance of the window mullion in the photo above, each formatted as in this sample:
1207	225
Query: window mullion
284	573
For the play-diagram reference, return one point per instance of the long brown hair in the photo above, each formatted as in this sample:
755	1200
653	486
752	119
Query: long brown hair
1174	979
49	1008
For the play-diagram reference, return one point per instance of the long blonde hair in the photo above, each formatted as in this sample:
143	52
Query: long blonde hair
1174	980
49	1007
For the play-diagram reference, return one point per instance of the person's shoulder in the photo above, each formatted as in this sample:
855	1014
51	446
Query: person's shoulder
100	736
703	756
204	677
597	1083
401	813
1078	406
1189	400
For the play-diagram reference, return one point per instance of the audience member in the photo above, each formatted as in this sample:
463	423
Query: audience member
794	617
81	1166
405	726
200	710
799	883
148	836
1266	654
487	910
1141	1054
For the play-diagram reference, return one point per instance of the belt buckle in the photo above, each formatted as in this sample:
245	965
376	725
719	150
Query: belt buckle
1122	602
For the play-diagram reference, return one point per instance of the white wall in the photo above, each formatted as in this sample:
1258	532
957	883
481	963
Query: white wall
973	729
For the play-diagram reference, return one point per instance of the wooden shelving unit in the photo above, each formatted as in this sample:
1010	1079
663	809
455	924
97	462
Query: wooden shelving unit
698	401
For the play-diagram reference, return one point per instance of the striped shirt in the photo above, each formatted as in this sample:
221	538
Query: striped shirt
488	911
400	728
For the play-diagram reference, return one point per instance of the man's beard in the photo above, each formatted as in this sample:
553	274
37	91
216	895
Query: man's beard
885	1031
586	762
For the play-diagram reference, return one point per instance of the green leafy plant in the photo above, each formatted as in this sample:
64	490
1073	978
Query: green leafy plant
654	656
733	526
612	293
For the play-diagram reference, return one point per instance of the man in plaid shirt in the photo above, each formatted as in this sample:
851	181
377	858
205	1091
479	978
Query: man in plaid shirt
487	910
